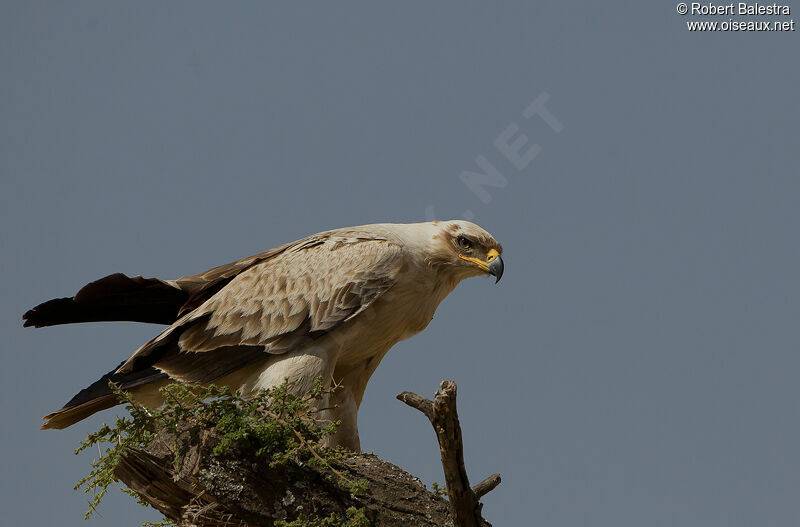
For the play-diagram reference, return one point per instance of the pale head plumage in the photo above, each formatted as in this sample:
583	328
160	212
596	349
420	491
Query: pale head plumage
458	248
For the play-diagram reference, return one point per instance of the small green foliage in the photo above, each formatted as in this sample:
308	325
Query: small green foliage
353	518
357	487
126	433
275	424
438	489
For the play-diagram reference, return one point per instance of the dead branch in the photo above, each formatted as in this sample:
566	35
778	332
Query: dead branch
441	412
486	486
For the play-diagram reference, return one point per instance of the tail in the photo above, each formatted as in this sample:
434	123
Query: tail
142	384
136	299
115	297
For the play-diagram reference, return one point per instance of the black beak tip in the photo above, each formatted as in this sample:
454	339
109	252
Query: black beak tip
496	269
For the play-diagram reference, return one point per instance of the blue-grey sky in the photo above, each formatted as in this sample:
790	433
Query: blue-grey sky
636	366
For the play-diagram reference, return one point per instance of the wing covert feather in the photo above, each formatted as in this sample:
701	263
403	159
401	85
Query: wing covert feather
305	290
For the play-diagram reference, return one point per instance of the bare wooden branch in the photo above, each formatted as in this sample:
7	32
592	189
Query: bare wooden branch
420	403
486	486
451	448
443	415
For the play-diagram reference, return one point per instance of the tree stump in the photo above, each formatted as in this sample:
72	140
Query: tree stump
241	490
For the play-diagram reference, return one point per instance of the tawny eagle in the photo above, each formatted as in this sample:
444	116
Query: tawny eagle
331	304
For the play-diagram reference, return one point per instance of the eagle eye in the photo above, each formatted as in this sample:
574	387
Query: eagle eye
464	243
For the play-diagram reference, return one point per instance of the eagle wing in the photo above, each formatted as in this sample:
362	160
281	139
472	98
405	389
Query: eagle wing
271	304
139	299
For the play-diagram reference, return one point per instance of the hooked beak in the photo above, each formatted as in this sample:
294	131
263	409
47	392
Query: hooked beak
493	264
496	268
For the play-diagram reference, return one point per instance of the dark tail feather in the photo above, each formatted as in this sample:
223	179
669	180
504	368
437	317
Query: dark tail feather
115	297
99	396
70	415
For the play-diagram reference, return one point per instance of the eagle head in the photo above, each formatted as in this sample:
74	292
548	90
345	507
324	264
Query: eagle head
466	248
